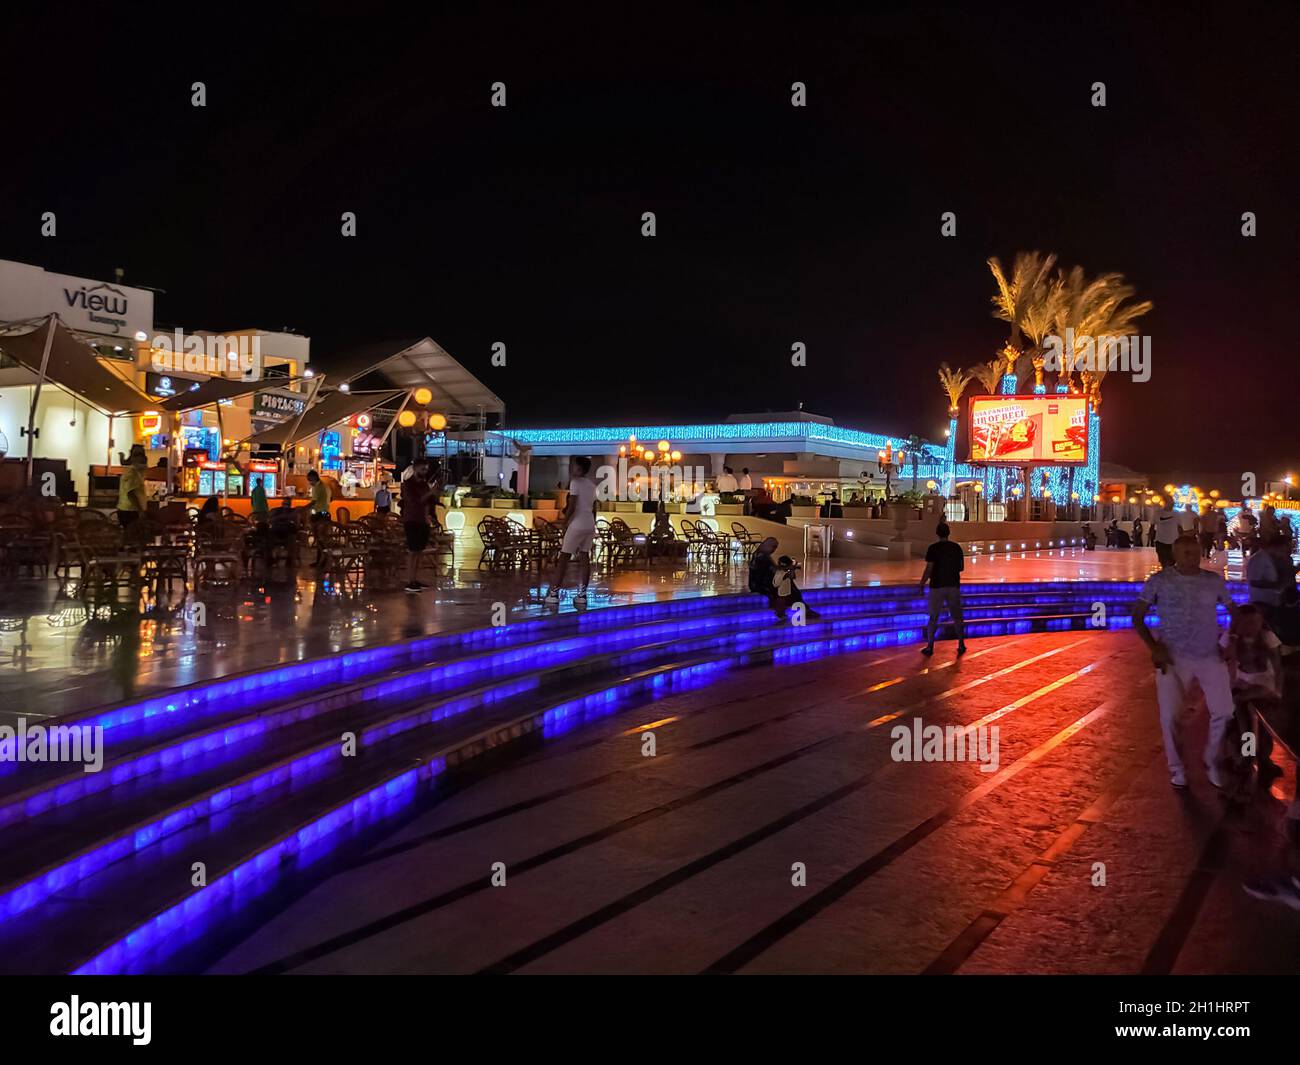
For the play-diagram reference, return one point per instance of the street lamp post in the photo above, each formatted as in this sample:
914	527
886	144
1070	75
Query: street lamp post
885	464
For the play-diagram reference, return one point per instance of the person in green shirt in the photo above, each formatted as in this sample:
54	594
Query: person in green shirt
320	509
130	488
320	495
261	509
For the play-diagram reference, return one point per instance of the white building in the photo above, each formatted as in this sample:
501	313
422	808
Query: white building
111	316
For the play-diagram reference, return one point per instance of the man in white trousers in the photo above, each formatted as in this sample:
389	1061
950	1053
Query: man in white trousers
1188	650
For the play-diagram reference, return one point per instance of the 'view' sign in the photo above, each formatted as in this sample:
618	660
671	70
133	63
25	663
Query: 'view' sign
81	302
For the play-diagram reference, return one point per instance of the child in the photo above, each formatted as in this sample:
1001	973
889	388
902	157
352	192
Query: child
1254	657
1253	654
776	580
783	578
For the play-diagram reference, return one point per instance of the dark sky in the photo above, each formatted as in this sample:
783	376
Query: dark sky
775	224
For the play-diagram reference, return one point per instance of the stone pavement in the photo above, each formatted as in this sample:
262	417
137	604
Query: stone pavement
1074	856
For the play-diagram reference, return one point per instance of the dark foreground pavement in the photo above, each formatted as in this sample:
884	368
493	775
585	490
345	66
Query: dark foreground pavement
1074	856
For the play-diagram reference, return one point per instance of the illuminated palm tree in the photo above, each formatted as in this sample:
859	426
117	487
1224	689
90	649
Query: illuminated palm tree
989	375
1093	309
1023	300
954	384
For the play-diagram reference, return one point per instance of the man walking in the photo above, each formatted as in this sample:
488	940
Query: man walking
417	501
1167	531
579	533
1188	650
131	501
944	562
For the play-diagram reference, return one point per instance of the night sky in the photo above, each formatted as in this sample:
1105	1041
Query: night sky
775	224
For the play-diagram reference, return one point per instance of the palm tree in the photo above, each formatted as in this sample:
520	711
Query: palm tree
1096	308
954	383
1093	309
1023	300
989	375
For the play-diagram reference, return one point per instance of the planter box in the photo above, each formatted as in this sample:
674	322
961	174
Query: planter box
729	508
675	508
627	506
505	504
473	501
804	512
857	512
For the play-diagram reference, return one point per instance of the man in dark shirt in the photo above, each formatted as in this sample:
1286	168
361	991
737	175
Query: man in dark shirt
417	504
944	562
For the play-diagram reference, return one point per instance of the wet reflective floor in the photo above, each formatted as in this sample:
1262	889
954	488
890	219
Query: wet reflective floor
57	655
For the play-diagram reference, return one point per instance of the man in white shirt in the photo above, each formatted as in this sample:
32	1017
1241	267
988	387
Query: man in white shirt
579	533
747	488
727	481
1167	531
1188	650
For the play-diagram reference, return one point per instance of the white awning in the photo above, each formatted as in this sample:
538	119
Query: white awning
411	364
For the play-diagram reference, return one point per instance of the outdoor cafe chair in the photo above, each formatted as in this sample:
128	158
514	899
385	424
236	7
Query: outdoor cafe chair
487	537
24	545
385	553
218	553
714	550
342	558
549	540
105	565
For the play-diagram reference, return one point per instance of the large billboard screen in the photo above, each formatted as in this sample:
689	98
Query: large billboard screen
1029	430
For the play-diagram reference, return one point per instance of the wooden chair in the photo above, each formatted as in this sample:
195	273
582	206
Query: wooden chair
628	546
549	540
217	553
342	558
24	545
386	551
105	565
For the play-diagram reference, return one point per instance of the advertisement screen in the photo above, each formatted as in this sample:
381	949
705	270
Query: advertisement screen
1029	430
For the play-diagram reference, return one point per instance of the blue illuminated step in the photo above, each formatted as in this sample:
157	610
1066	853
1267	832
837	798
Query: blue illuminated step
130	744
248	691
734	630
157	943
59	786
69	925
31	842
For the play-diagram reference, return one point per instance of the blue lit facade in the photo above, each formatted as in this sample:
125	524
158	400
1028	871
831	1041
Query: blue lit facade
820	440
